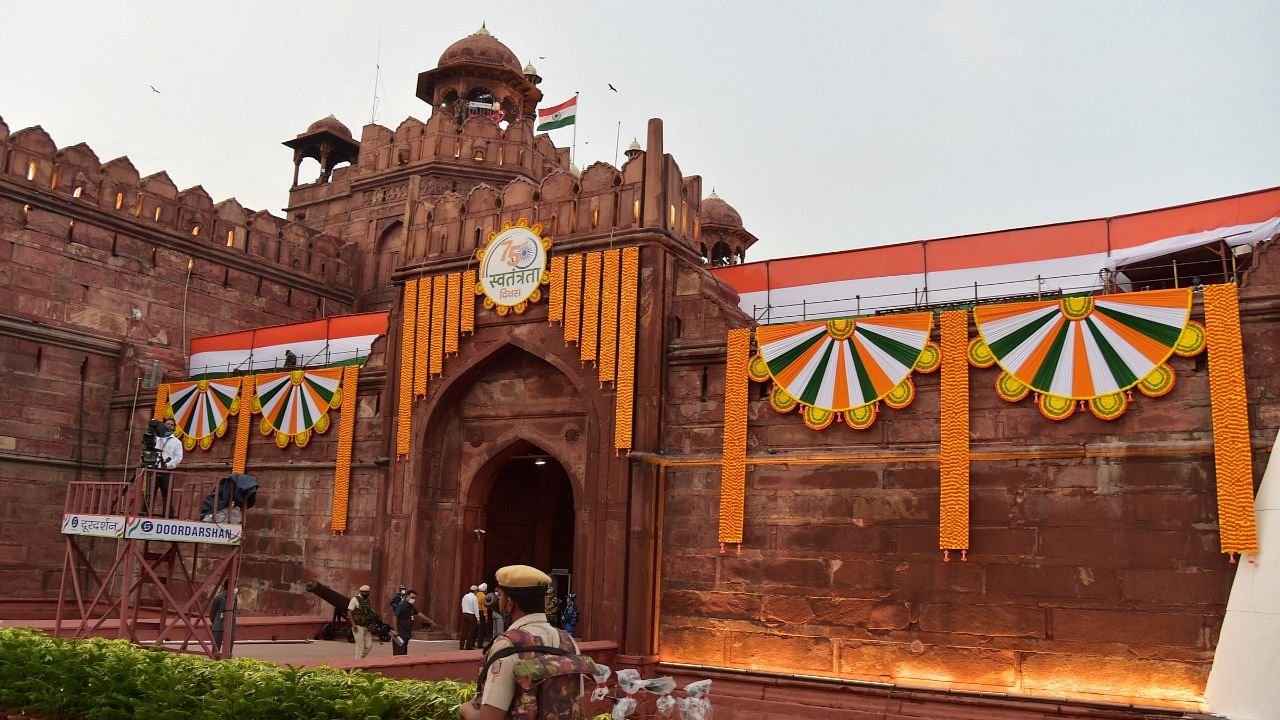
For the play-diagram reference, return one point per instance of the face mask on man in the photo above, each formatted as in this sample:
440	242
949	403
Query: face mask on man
364	595
412	599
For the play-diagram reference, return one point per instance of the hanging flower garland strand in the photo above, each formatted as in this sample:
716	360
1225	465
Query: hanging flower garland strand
1237	523
953	453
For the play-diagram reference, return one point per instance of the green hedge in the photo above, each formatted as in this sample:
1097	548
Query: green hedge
100	679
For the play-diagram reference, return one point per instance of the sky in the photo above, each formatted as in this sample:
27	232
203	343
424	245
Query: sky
827	125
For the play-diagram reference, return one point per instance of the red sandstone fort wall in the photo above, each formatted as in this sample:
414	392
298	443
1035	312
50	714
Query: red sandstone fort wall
82	246
1094	567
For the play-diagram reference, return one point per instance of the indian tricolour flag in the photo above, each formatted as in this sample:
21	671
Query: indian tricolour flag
566	113
333	341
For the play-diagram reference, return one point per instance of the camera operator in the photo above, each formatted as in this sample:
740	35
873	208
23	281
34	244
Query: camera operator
169	448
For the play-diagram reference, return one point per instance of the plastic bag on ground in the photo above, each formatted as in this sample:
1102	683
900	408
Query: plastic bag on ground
623	707
629	680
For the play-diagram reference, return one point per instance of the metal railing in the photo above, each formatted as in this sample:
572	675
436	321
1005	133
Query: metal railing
1040	287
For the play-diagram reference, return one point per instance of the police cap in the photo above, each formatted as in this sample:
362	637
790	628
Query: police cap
516	577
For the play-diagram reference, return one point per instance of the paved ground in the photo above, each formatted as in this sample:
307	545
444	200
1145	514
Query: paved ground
312	651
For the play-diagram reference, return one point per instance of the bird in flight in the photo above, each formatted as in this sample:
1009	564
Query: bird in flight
154	90
611	87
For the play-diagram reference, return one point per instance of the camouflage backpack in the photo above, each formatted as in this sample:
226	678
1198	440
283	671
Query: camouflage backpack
548	679
363	614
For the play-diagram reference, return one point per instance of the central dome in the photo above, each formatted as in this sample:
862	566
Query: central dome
480	47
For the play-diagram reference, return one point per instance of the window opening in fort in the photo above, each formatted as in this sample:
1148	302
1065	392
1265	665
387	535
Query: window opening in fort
78	191
31	170
119	200
195	230
721	255
390	245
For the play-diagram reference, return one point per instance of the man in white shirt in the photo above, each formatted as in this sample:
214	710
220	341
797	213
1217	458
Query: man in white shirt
470	620
170	449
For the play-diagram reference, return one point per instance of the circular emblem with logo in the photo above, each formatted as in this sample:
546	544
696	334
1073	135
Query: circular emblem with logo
147	526
75	521
513	267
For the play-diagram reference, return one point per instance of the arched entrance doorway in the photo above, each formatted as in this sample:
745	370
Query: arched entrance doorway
529	515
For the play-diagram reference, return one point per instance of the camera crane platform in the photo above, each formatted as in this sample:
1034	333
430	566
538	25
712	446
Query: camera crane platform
166	554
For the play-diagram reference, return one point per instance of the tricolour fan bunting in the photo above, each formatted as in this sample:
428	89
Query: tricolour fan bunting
295	403
200	409
844	366
1086	349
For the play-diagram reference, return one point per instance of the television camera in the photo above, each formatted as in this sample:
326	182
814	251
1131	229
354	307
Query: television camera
152	442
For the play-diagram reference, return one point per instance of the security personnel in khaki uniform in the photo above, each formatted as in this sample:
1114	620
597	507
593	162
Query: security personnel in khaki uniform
520	594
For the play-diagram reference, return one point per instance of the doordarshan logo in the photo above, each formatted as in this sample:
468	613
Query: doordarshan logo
513	267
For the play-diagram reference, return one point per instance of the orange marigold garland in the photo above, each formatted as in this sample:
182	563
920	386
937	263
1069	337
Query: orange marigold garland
161	409
452	318
572	298
467	322
733	465
407	330
953	454
240	456
555	305
420	341
438	291
346	433
609	317
624	387
590	309
1237	528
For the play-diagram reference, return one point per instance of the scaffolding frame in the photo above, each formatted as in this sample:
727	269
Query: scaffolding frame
163	567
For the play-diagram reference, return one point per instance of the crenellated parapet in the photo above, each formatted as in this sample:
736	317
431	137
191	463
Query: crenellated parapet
50	178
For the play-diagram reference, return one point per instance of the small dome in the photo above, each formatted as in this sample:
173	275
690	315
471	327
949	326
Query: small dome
331	124
480	47
718	212
530	69
635	147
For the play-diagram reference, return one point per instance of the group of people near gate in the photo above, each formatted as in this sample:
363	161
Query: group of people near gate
483	620
532	666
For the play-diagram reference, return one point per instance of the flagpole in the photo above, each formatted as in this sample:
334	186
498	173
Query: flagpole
616	140
573	154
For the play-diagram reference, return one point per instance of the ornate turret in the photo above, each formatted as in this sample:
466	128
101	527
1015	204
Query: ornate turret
478	74
329	142
531	74
633	149
722	227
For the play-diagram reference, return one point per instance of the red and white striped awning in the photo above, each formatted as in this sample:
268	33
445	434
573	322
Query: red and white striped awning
1070	257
